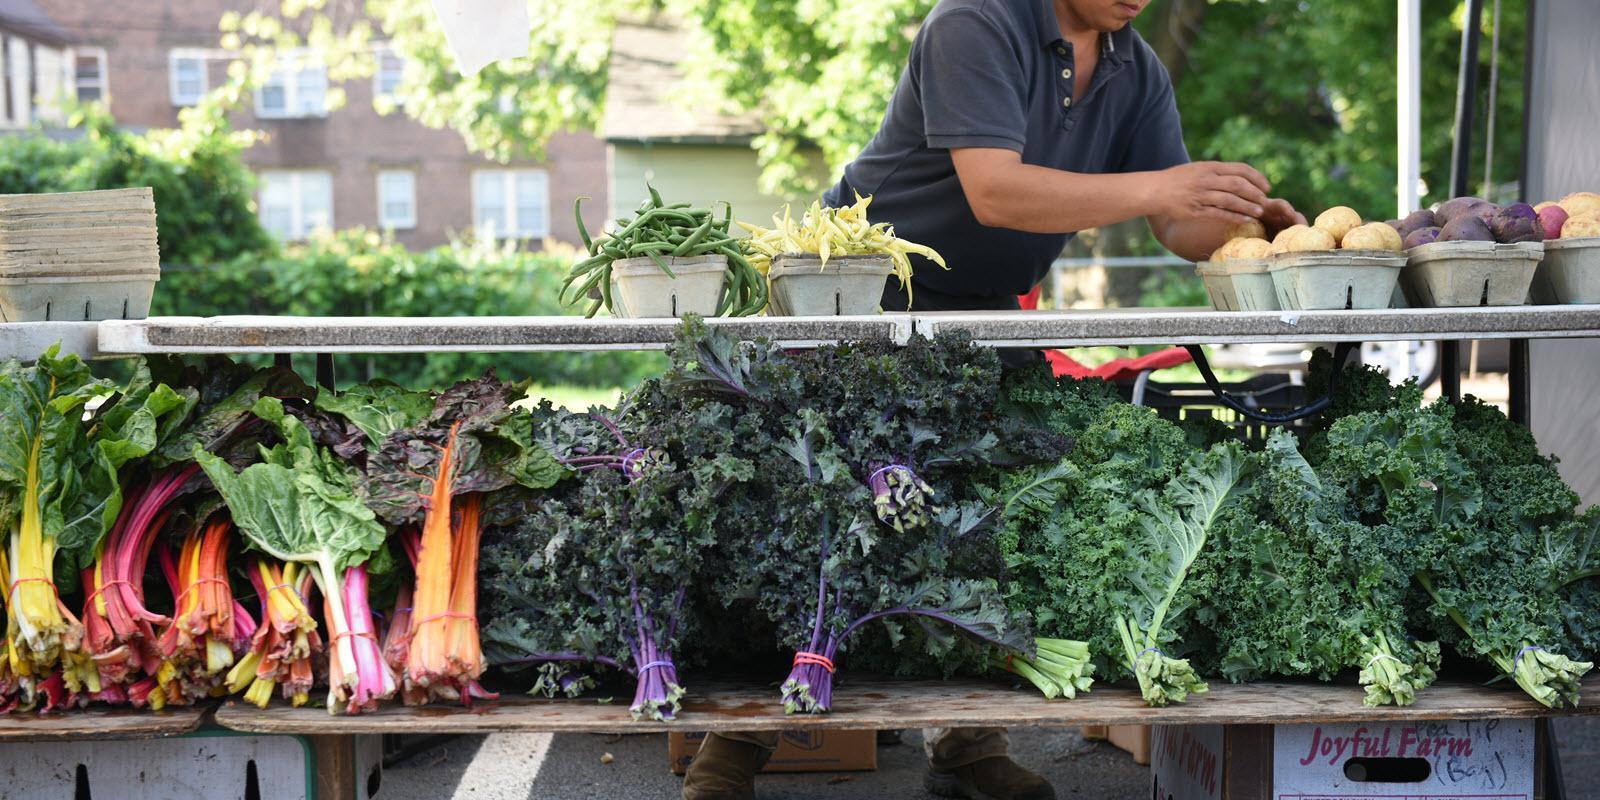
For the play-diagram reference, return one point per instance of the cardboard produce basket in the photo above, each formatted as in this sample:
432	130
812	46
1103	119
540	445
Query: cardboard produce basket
1468	274
644	290
1570	272
1219	284
1335	279
802	286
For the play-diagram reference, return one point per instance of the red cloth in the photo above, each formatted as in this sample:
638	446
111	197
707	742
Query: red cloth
1116	369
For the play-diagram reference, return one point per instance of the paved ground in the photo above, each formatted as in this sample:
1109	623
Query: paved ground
572	767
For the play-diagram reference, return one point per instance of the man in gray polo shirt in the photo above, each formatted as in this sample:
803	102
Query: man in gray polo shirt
1015	124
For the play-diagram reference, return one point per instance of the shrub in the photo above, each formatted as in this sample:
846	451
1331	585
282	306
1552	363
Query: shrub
360	273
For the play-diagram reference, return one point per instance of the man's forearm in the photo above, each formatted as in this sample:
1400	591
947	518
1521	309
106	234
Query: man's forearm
1191	239
1042	200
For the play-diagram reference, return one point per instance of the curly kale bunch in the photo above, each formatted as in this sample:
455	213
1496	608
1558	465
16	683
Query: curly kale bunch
1297	588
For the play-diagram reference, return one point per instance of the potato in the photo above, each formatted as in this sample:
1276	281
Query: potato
1580	204
1539	209
1466	228
1338	221
1311	239
1417	220
1516	223
1280	243
1420	237
1577	226
1372	236
1459	206
1224	252
1248	230
1251	248
1551	218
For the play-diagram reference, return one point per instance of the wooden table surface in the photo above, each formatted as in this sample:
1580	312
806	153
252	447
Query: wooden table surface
101	723
909	704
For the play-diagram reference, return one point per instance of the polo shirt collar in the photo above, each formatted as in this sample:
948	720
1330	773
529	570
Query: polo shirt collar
1118	43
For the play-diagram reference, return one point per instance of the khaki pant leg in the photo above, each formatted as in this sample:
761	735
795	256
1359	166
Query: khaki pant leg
766	739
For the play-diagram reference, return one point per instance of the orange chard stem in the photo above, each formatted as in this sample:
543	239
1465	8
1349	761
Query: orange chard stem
463	640
427	657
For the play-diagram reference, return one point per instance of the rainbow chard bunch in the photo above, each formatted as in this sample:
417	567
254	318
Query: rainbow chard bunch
298	504
280	655
436	475
64	438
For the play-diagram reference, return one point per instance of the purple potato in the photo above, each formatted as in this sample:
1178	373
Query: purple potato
1467	227
1551	219
1418	220
1463	205
1393	223
1516	223
1420	237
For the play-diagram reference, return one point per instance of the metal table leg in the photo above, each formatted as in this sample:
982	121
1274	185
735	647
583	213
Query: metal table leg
1450	371
325	370
1520	378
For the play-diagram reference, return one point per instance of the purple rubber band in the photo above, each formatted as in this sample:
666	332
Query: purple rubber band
1518	660
652	665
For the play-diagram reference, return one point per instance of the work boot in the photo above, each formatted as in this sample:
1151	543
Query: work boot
994	778
724	769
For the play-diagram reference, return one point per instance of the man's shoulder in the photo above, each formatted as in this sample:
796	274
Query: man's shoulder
1142	54
1009	14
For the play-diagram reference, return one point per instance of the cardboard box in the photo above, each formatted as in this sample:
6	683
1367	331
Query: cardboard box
798	751
1444	760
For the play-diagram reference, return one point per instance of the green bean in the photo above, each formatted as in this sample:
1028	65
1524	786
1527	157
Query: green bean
593	280
595	307
689	243
655	196
605	297
662	264
649	247
583	233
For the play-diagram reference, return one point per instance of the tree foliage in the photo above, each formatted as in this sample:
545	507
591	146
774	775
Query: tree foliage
1306	93
203	191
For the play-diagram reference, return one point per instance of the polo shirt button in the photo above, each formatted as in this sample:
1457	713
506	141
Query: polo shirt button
1061	51
1066	73
1066	102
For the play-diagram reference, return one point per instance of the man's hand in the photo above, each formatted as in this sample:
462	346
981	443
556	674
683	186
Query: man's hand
1278	214
1212	191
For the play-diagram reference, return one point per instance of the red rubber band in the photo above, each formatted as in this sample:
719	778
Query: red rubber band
363	634
178	601
802	657
46	581
446	615
89	600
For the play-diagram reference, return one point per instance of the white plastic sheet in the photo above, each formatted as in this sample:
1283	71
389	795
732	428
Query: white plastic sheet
481	32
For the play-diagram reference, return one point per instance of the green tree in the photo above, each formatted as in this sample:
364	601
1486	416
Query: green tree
203	193
1304	91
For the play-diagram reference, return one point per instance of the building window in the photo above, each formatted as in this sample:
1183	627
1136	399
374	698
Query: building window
511	203
397	199
297	87
386	78
186	76
89	74
294	203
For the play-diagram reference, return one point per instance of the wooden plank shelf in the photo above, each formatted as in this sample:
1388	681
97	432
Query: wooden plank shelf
871	705
100	723
1177	326
245	334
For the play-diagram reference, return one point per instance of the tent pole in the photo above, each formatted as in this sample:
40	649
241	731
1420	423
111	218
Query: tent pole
1461	166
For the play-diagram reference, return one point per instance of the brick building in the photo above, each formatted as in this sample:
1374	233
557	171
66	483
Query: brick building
351	167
